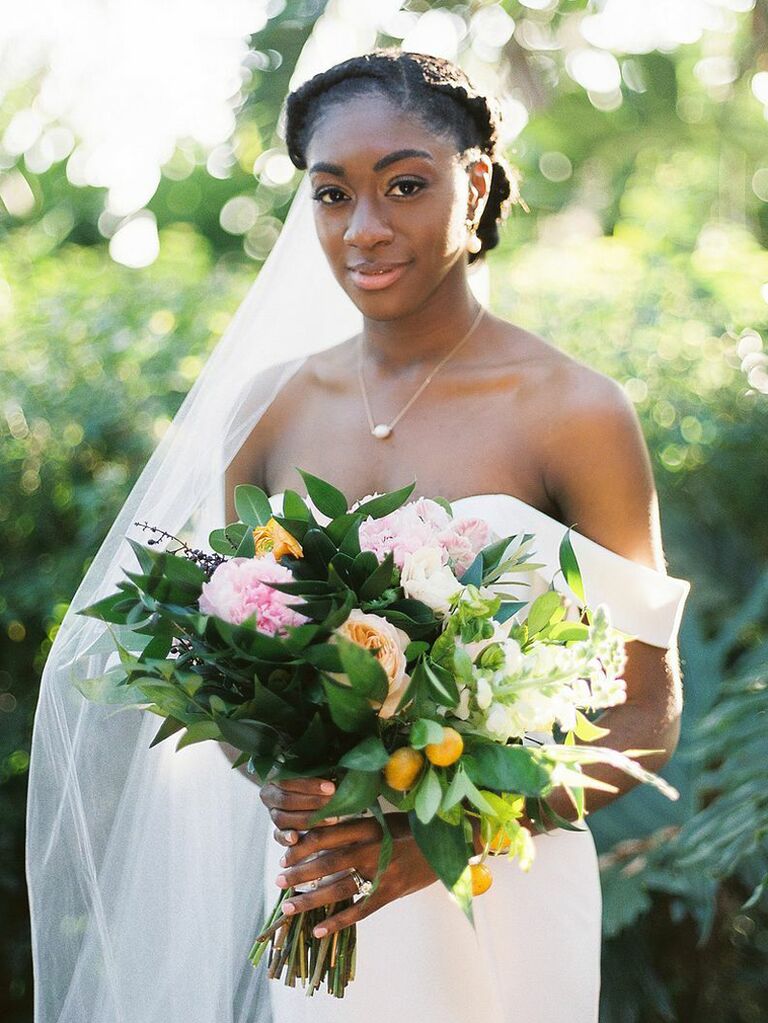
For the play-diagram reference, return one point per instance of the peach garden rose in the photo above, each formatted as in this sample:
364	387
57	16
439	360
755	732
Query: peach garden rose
388	643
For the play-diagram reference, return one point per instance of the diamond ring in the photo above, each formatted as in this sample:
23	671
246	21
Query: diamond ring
363	885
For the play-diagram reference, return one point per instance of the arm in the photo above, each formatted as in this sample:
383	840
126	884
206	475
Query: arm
598	470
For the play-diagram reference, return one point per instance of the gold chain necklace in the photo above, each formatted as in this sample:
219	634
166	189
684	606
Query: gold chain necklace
383	430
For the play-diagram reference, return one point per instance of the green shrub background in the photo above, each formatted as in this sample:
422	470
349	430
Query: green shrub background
649	263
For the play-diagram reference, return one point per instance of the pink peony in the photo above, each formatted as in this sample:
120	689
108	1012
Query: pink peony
463	540
403	531
425	523
237	590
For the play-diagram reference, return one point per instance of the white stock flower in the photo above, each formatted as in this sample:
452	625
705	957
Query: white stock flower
423	577
513	657
497	722
462	710
500	635
484	694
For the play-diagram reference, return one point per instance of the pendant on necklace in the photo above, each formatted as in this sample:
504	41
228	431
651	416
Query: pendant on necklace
381	431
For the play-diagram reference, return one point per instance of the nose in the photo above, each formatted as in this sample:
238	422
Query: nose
366	226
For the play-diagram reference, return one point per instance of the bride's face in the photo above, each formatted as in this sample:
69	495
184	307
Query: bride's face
389	191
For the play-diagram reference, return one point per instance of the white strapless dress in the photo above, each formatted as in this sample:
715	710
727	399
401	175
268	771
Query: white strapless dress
535	951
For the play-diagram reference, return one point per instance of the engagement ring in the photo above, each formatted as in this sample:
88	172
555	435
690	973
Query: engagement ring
364	886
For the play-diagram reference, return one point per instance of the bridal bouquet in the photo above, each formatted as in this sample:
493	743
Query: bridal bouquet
380	648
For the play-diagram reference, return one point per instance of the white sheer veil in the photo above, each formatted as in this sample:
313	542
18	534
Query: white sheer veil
145	866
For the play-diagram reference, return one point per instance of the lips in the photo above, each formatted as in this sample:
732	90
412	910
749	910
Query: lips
375	276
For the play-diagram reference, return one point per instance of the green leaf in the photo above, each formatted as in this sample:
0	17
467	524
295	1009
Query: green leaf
199	731
508	608
506	769
387	845
415	649
350	711
339	528
319	549
444	847
429	793
543	609
226	541
570	566
379	580
357	791
144	555
474	574
587	730
368	755
442	684
113	608
311	746
324	656
298	637
254	737
294	506
247	546
563	632
252	505
363	669
377	507
107	689
425	731
456	791
325	497
169	727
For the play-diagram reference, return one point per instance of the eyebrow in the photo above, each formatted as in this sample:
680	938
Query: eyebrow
385	161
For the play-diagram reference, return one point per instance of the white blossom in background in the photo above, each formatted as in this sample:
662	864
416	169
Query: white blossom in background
119	85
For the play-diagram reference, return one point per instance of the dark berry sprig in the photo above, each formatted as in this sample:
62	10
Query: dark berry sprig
206	560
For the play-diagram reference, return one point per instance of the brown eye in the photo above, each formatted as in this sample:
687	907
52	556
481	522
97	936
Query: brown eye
407	183
318	196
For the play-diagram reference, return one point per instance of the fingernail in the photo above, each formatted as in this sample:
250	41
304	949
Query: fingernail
331	820
283	861
320	932
281	881
327	786
288	908
291	837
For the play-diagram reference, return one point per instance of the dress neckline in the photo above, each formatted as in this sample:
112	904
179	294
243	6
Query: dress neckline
556	523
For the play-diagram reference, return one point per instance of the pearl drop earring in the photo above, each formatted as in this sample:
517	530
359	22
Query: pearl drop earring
473	243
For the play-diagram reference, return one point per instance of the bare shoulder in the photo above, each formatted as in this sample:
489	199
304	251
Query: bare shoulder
595	461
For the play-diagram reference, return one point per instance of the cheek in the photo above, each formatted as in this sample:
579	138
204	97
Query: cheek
446	223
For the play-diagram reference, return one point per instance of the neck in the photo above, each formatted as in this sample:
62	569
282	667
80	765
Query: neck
424	335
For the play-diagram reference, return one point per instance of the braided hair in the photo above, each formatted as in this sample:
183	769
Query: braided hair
433	89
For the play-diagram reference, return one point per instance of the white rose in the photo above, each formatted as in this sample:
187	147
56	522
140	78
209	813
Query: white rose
424	577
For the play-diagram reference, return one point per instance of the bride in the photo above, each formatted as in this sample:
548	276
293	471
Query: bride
408	191
362	355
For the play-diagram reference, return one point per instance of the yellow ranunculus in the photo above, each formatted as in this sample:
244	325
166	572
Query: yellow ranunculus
274	538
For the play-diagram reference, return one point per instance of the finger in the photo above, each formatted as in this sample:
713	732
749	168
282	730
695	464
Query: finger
331	862
316	786
326	893
353	914
287	838
344	833
289	821
273	794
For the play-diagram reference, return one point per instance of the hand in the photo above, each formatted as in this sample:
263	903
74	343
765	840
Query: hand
292	801
351	844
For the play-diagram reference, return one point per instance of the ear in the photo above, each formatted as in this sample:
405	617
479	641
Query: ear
480	172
